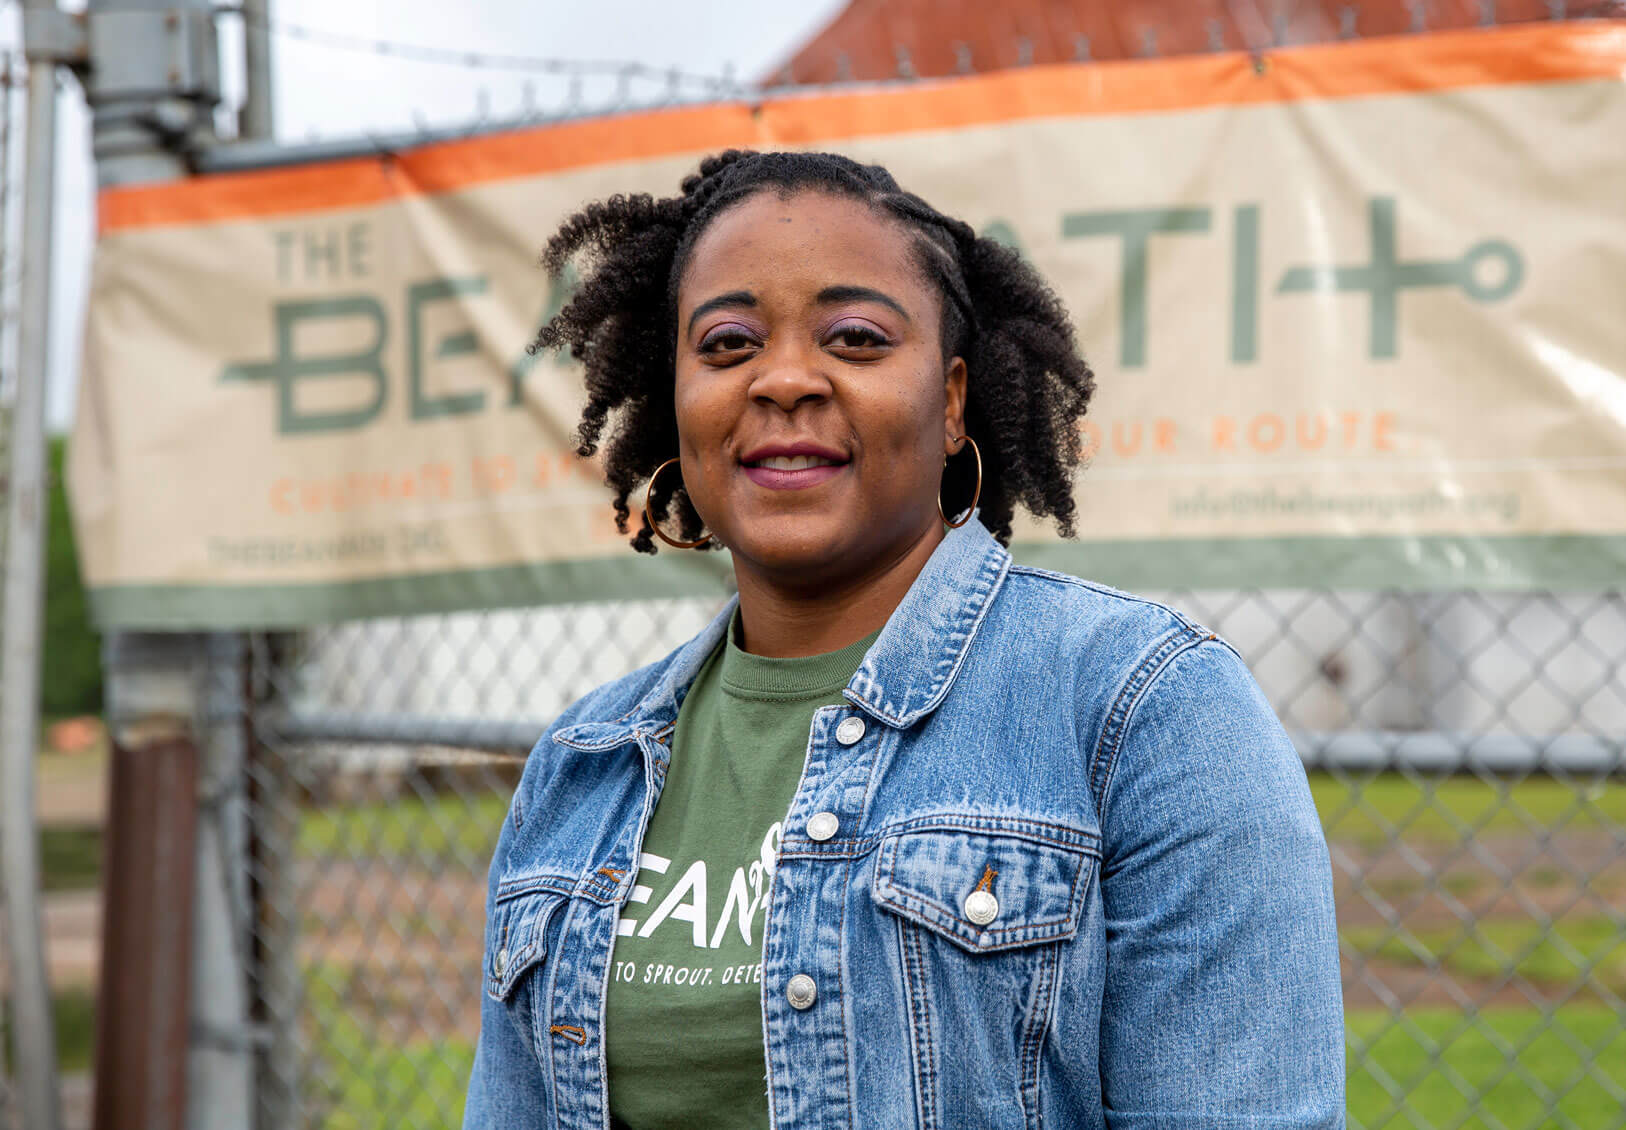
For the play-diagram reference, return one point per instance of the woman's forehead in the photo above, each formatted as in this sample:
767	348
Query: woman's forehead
783	238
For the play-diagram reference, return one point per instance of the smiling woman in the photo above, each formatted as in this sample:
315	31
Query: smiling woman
909	835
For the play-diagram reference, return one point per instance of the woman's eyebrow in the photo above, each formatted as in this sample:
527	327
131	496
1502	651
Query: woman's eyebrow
732	298
831	294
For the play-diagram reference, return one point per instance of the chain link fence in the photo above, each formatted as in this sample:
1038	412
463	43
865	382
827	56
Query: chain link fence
1464	751
373	855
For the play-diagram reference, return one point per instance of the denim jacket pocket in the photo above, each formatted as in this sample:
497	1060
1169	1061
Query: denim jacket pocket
987	884
517	936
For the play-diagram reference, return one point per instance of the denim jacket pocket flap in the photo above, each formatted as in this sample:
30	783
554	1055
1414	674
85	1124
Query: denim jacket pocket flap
517	938
984	891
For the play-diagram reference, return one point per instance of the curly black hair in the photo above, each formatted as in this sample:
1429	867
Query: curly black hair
1027	387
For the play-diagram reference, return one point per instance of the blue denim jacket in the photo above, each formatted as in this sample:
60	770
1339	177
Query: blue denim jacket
1074	879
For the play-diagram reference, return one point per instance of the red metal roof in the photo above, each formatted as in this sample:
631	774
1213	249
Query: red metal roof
881	39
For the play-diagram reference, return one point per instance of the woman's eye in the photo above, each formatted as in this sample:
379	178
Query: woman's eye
726	340
855	336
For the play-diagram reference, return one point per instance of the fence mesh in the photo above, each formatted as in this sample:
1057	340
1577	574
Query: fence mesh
1464	753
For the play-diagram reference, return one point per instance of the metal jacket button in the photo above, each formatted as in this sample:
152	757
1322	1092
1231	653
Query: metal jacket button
500	965
981	907
801	992
822	825
850	730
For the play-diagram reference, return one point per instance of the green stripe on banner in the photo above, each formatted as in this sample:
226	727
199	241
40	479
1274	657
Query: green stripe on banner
1423	564
1559	562
191	607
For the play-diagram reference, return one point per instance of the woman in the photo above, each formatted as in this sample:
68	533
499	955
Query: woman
909	835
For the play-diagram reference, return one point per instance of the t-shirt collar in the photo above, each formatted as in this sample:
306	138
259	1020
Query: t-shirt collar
907	670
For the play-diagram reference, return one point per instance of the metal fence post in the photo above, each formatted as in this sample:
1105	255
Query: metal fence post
220	1082
273	807
174	1046
267	819
147	883
8	77
23	612
175	700
256	119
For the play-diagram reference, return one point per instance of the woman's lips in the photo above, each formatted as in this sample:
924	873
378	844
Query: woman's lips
775	479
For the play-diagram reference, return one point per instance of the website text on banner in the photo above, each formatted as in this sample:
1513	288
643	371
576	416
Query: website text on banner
1354	310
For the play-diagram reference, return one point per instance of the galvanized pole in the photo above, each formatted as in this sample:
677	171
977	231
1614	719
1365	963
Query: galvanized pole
177	912
221	1059
5	467
7	1118
256	120
33	1031
6	79
266	821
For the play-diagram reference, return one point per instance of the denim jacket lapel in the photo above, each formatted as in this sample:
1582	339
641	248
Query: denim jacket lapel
919	653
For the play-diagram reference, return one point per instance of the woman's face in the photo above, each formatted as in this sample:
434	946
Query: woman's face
814	406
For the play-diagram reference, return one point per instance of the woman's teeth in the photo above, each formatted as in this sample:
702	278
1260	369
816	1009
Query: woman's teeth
794	462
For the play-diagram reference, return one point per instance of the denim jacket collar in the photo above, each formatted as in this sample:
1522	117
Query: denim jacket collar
905	673
915	659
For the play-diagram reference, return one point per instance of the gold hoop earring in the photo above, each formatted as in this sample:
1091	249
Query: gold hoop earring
649	490
975	495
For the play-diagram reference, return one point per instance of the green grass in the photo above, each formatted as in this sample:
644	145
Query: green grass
1496	946
374	1087
1359	808
74	1016
449	826
1365	808
1460	884
1476	1059
1351	809
421	1084
434	828
75	1011
365	1083
70	857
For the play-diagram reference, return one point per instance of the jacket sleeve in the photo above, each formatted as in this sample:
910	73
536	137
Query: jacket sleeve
506	1086
1222	1006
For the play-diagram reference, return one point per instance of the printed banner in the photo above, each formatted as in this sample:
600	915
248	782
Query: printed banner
1355	312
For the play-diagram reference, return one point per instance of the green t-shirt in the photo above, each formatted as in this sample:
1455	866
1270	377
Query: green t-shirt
683	1025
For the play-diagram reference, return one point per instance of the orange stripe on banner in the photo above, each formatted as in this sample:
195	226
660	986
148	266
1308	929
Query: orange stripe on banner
1526	53
358	181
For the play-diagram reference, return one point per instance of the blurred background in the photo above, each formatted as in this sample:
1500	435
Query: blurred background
245	847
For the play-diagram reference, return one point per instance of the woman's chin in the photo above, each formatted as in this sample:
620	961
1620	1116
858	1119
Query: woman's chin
787	549
808	551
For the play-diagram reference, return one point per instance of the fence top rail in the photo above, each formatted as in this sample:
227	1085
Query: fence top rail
260	153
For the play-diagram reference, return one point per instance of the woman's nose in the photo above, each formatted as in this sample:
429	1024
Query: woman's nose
788	380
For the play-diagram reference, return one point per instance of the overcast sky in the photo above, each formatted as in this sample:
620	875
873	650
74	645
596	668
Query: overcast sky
326	91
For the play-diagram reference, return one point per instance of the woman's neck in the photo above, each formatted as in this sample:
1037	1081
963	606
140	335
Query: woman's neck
782	621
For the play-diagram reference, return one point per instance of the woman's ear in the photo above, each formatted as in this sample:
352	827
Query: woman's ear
954	378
